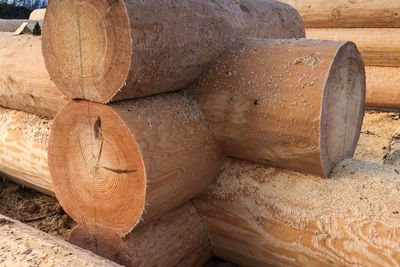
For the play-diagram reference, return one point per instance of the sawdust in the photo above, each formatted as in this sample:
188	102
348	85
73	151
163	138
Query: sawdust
33	208
376	134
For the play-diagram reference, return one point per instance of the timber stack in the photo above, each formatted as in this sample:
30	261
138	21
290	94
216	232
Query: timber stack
155	127
374	26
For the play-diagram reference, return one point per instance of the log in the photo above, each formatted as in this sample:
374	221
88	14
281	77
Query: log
37	14
179	238
114	50
11	25
113	165
23	155
22	245
260	216
348	13
296	104
383	87
24	82
378	47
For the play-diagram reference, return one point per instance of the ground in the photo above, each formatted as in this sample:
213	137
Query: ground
45	213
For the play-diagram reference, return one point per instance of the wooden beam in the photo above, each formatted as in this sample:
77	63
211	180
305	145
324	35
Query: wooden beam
296	104
378	47
22	245
383	87
260	216
107	50
348	13
23	155
37	14
130	160
178	238
24	82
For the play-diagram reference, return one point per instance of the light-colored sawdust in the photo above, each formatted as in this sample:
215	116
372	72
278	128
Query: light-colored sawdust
376	134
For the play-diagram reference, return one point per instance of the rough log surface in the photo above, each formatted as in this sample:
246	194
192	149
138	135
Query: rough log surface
22	245
130	160
294	104
258	216
114	50
378	47
23	155
24	82
383	87
348	13
176	239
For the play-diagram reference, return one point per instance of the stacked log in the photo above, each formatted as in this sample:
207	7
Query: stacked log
374	26
260	216
303	100
122	50
24	82
124	170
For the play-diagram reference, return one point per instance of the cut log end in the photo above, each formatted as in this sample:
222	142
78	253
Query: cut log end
97	168
343	107
95	40
102	242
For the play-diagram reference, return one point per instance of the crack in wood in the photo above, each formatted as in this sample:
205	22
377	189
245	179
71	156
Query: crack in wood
119	171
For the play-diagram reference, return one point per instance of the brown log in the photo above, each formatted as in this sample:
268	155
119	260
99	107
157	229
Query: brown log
383	87
37	14
112	50
348	13
258	216
11	25
110	164
296	104
24	82
22	245
378	47
23	155
178	238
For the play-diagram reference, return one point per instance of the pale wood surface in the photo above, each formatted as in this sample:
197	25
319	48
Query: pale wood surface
378	47
131	160
37	14
141	48
383	87
348	13
258	216
23	155
178	238
295	104
22	245
24	82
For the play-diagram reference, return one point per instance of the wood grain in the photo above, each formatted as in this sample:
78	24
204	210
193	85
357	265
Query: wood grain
24	82
131	160
23	155
348	13
114	50
383	87
258	216
294	104
378	47
178	238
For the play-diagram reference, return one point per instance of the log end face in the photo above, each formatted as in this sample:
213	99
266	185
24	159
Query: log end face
96	166
102	242
87	47
343	107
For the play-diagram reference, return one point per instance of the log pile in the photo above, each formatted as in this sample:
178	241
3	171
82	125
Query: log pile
195	82
374	25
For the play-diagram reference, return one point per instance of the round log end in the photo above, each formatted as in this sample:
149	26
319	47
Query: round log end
342	107
97	168
103	242
87	47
